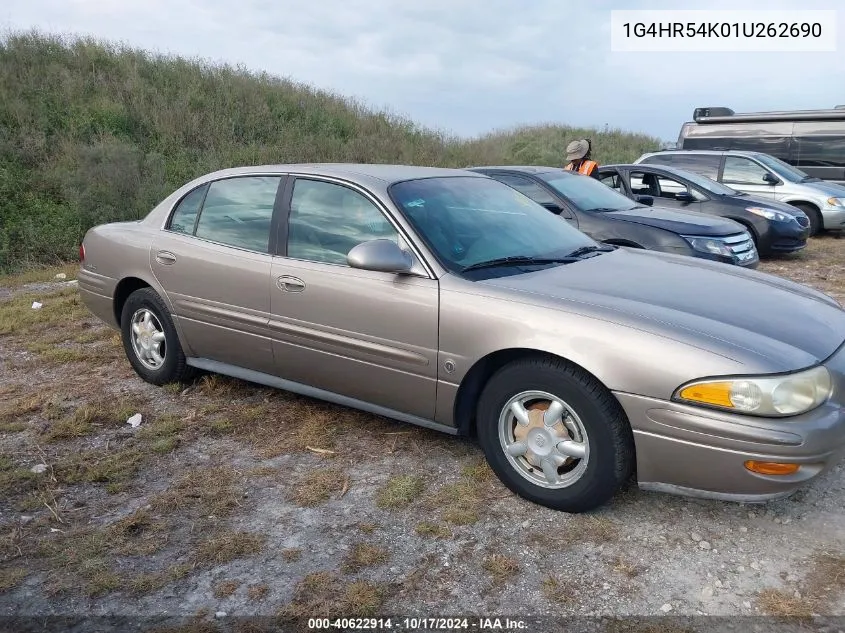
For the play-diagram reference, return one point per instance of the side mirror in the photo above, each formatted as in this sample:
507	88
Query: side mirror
380	255
684	196
553	207
771	179
646	200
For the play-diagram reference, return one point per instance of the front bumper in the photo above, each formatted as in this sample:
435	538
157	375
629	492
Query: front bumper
701	452
783	237
833	218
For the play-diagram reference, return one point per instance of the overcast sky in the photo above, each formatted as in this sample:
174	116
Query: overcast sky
465	66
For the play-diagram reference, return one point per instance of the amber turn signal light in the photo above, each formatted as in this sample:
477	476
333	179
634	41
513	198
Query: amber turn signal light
772	468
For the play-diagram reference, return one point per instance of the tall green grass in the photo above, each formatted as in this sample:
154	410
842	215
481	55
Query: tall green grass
93	132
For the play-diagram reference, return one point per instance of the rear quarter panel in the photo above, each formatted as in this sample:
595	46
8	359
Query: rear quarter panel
114	252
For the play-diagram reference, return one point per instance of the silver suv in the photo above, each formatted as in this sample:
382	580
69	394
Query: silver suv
763	175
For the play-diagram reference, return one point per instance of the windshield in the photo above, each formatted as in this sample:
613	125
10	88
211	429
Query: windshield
466	220
703	182
588	194
782	169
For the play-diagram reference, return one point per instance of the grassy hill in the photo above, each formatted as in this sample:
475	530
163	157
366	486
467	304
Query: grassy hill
92	132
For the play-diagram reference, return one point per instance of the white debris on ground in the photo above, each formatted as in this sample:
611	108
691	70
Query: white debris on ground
39	468
36	305
134	421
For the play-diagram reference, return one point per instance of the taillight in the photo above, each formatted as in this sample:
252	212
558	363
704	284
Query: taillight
81	252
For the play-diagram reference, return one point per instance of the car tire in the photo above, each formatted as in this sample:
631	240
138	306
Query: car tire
150	339
591	417
816	224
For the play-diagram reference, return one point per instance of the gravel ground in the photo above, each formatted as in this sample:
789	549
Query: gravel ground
238	499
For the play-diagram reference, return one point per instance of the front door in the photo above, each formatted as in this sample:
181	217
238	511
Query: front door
664	189
214	264
367	335
747	175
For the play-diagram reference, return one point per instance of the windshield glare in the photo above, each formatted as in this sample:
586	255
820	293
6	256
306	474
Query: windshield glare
782	169
466	220
588	194
703	182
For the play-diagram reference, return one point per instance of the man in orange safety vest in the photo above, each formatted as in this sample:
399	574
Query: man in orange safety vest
578	155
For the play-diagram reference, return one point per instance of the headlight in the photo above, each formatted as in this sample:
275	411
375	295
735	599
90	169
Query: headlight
836	202
770	214
770	396
709	245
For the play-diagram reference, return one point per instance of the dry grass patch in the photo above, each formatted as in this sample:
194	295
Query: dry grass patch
433	530
578	529
203	492
227	546
115	468
257	592
317	487
325	594
557	590
138	534
40	274
11	577
368	527
399	492
150	583
461	503
501	568
226	588
59	308
93	416
81	561
621	566
785	604
364	555
292	554
15	481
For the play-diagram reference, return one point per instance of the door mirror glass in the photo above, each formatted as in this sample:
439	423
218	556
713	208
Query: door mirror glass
684	196
770	178
646	200
381	256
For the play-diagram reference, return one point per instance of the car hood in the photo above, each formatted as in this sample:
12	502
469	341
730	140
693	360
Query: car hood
828	188
681	222
765	203
744	315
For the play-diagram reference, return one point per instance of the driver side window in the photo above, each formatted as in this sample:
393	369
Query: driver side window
328	220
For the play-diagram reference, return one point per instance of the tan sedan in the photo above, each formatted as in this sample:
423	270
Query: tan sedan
446	299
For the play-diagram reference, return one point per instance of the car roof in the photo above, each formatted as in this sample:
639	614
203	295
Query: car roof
718	152
525	169
656	166
361	173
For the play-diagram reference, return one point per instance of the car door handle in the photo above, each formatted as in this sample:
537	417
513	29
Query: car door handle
290	284
165	257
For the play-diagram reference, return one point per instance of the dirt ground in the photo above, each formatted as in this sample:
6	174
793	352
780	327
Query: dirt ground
235	500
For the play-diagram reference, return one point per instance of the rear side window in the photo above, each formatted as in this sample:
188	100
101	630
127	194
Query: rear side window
238	212
704	164
527	187
820	151
185	215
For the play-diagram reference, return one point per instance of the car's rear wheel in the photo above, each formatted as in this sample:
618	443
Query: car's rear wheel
554	435
816	224
150	340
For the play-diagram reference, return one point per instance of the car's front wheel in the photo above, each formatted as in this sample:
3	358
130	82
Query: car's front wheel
150	340
554	435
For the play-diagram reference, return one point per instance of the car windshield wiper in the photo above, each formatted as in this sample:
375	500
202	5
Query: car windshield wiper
608	209
519	260
586	250
809	179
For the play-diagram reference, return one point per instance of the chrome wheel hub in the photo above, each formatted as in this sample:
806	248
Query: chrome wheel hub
544	439
147	337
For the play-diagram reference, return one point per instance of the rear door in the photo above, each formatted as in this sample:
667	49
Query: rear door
213	260
367	335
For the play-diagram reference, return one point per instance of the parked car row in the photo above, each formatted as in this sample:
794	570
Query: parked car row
763	176
451	300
